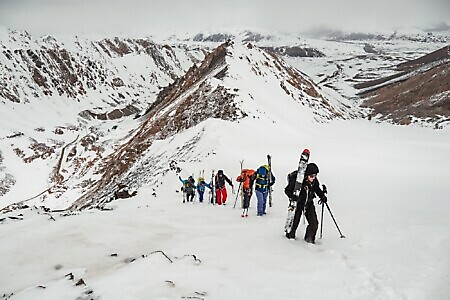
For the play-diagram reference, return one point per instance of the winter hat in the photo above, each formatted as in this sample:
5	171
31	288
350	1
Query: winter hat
311	168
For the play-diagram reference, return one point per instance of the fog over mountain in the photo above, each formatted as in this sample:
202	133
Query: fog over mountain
143	17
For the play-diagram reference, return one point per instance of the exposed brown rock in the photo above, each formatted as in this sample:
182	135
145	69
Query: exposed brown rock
117	82
422	92
438	55
7	95
295	51
39	78
112	115
117	46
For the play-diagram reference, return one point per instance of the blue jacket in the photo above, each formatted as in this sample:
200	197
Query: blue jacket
201	186
261	178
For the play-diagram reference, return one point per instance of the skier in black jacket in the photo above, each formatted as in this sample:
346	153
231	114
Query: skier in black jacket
310	187
221	191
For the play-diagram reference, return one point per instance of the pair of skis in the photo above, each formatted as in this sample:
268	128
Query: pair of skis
269	163
304	158
212	198
241	193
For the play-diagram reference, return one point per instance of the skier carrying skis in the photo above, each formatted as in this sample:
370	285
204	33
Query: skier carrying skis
188	188
221	191
261	178
310	187
201	188
247	179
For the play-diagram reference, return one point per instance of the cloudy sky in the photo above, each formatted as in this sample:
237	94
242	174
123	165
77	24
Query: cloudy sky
41	17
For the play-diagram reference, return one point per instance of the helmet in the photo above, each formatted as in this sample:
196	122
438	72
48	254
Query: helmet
311	168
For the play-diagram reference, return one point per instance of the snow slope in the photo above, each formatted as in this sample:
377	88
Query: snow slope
386	185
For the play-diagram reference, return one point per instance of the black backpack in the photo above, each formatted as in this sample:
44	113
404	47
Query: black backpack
289	189
190	183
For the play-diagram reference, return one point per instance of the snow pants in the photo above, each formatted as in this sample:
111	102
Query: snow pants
221	196
262	200
247	195
189	195
200	196
311	217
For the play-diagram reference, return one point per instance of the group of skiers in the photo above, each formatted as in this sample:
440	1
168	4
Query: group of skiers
262	179
189	188
248	177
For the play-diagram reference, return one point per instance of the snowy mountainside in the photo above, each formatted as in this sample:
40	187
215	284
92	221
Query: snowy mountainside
55	93
340	62
248	79
154	246
232	82
105	72
349	64
418	92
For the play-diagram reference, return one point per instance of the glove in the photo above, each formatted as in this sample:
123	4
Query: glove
323	200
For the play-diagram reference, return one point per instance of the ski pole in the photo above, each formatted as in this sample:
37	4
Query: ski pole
342	236
321	221
234	206
324	188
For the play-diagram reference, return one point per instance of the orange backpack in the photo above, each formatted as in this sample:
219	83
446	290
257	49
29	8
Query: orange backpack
245	178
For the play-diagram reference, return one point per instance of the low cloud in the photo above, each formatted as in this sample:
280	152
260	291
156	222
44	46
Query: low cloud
146	17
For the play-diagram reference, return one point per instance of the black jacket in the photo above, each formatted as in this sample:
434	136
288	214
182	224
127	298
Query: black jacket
220	181
308	192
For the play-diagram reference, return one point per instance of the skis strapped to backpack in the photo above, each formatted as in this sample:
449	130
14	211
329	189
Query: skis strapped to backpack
304	157
212	198
201	176
269	163
240	189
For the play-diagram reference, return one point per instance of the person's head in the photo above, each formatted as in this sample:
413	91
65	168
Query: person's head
311	172
264	169
220	172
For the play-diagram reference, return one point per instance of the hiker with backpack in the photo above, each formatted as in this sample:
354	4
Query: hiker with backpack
310	187
221	191
246	178
261	178
201	188
188	188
